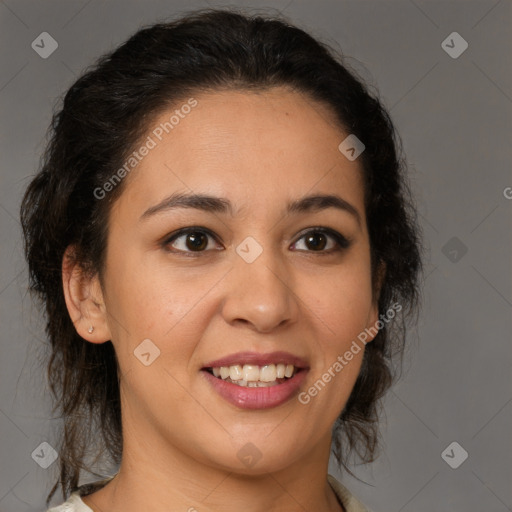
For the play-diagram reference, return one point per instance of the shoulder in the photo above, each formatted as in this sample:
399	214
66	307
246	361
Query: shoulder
65	507
73	504
350	502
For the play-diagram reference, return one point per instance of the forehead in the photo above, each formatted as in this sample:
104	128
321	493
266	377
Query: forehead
267	121
273	144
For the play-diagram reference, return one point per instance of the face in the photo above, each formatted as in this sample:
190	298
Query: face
250	277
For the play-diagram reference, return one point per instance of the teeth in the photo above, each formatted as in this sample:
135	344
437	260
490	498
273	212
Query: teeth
251	375
235	372
258	384
250	372
268	373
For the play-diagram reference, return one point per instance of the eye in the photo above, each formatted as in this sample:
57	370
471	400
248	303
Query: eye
317	239
194	239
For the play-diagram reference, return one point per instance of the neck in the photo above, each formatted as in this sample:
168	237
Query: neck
176	479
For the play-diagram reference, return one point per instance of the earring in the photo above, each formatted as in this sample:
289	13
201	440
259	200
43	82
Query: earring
91	329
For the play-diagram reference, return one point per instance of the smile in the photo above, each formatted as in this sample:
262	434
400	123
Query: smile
254	387
251	375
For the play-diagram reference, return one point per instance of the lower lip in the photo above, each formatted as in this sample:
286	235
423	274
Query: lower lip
256	398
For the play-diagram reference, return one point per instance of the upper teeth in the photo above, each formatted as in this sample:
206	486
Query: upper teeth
253	373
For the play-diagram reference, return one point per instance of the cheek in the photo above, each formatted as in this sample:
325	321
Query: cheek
147	299
343	299
168	307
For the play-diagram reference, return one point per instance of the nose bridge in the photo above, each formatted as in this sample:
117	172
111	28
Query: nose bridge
261	290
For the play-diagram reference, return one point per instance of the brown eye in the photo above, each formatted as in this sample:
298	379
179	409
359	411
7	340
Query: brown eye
316	240
196	241
190	240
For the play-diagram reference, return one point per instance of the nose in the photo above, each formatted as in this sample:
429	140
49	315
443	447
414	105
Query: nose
260	293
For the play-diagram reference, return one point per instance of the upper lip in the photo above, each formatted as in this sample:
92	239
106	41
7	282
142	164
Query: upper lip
258	359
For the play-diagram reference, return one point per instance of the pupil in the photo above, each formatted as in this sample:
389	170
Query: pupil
312	238
197	242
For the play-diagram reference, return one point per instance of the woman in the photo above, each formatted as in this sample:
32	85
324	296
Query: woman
223	238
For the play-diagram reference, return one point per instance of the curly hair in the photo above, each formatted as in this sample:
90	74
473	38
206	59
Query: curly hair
104	115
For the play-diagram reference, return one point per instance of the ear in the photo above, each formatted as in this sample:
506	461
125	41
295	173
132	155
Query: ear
373	316
84	300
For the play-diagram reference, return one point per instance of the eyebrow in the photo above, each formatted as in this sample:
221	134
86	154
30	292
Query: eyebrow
213	204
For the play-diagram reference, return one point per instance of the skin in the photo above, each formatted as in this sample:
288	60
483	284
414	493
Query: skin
259	150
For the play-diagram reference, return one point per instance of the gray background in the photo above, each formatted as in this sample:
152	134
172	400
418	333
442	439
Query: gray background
454	116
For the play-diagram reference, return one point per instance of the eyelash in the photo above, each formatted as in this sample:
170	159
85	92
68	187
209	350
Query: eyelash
341	242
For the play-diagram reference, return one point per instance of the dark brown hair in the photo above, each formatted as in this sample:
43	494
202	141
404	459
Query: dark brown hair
103	116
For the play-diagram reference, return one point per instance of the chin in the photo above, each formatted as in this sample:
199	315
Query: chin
253	458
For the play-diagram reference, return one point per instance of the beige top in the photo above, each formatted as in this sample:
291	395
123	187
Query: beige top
75	503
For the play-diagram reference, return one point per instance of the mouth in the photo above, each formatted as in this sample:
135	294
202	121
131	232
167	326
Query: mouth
255	376
258	388
252	380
